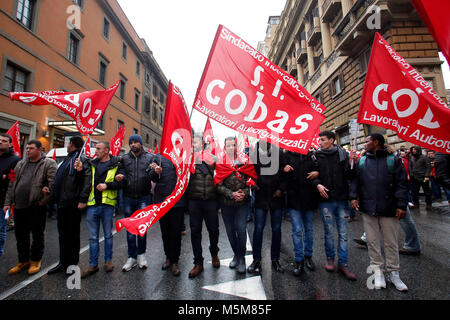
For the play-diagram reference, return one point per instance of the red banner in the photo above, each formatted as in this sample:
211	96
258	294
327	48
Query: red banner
397	97
15	135
116	142
176	145
246	92
86	108
435	15
87	148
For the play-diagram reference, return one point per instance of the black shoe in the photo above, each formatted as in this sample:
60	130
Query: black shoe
310	263
255	267
360	242
407	252
277	266
299	268
58	268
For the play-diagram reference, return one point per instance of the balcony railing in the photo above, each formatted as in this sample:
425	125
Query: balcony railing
329	9
314	33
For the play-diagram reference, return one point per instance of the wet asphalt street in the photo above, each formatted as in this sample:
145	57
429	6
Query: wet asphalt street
427	276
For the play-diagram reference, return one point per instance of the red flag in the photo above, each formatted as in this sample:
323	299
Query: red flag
208	137
149	150
176	145
87	148
397	97
116	141
435	15
156	149
86	108
15	135
54	154
244	91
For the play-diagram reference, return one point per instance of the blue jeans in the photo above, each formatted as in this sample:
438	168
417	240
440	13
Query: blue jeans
276	217
235	220
335	212
411	236
94	215
136	244
3	223
302	223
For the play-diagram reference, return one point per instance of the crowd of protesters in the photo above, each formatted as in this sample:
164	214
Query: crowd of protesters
380	183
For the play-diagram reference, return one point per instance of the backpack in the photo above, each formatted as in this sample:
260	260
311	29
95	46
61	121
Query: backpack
389	159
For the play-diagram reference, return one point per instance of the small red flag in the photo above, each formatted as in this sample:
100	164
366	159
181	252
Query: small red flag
15	135
116	141
156	149
54	154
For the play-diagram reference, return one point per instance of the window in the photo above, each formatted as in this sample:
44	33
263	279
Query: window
135	131
155	90
337	85
122	88
25	10
147	77
15	78
101	122
106	26
155	111
138	68
154	143
147	139
161	117
137	95
124	51
74	48
147	104
102	69
120	123
364	60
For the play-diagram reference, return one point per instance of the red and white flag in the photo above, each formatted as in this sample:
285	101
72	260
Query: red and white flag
87	148
246	92
176	145
15	135
435	15
208	137
116	142
86	108
397	97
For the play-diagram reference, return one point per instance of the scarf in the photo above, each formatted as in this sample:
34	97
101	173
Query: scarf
227	167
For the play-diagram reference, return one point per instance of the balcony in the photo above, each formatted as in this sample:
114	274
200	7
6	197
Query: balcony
292	68
330	9
305	77
314	34
351	33
301	52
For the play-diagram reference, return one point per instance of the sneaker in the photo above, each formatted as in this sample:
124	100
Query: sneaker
380	281
19	267
329	266
142	261
343	269
35	266
394	278
109	267
130	264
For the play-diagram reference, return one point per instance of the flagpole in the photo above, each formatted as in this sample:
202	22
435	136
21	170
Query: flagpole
84	145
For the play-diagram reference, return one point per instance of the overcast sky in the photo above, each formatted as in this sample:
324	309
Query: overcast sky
180	34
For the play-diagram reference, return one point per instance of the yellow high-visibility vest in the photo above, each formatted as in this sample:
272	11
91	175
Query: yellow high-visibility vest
108	196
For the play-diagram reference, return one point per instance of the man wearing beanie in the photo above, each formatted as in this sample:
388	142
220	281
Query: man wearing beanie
136	196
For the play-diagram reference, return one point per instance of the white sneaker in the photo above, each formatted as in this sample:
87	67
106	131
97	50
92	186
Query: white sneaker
131	263
380	281
141	261
394	277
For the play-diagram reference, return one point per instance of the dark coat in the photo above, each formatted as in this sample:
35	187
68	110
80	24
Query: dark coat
442	165
380	190
269	178
420	165
301	194
75	187
201	183
8	161
334	173
100	178
137	181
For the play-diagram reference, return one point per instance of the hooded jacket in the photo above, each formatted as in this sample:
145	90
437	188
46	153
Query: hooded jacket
380	190
420	165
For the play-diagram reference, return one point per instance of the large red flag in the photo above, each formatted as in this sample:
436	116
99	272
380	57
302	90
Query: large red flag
117	141
15	135
435	15
86	108
246	92
176	145
397	97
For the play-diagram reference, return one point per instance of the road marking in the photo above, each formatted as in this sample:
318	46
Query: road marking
250	288
38	275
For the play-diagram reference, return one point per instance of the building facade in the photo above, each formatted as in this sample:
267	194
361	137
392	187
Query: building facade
75	46
326	46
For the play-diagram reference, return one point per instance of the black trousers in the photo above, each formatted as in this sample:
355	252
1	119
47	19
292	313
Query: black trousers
30	221
69	220
200	210
171	225
416	184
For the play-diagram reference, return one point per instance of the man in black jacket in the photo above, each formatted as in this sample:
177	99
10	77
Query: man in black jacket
332	184
8	161
268	197
302	200
136	196
71	192
379	190
420	176
203	206
442	163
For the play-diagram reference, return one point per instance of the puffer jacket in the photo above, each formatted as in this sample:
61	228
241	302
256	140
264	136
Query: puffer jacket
44	176
201	184
137	181
381	190
420	165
